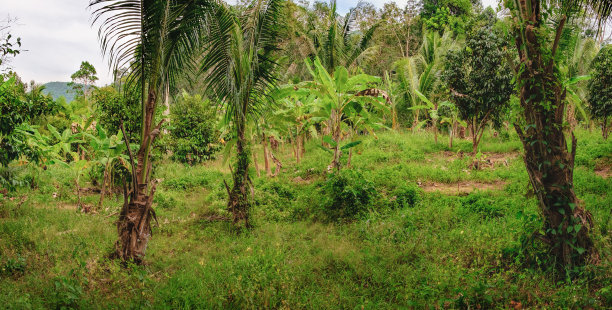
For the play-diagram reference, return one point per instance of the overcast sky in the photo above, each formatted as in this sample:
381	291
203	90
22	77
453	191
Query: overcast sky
57	35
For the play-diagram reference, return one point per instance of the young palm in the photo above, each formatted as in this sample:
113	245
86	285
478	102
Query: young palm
240	71
156	39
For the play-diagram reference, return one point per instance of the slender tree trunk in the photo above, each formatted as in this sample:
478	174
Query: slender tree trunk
104	182
548	159
474	136
335	164
451	134
394	125
303	148
256	164
435	128
298	149
266	155
238	202
604	128
350	156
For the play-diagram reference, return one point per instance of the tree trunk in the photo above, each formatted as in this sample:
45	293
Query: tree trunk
451	133
303	148
549	163
298	150
256	164
435	128
604	128
134	224
238	202
394	124
266	155
474	137
104	182
335	164
350	156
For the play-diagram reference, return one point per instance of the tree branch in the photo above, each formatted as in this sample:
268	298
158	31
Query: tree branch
556	43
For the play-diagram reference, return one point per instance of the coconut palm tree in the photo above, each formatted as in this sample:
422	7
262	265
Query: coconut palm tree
548	157
240	72
420	73
156	39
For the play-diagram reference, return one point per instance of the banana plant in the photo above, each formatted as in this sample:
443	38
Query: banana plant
337	101
108	152
57	149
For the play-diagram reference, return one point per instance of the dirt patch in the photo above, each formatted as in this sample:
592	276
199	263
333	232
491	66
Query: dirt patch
464	187
604	170
489	157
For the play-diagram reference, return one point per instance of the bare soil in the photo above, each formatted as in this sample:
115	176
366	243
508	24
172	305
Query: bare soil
604	169
463	187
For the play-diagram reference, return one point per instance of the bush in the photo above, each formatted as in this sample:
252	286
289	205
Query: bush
193	135
405	196
346	195
114	107
274	200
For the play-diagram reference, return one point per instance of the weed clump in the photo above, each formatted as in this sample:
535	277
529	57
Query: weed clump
346	195
405	196
482	204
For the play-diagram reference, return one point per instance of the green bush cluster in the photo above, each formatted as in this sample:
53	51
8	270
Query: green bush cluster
346	195
193	135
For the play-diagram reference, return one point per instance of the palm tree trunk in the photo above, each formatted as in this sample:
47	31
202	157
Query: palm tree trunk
238	203
134	224
548	159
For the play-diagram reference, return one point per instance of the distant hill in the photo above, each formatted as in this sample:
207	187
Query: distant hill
58	89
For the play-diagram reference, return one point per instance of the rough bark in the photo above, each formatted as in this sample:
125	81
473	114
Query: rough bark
238	203
548	159
134	224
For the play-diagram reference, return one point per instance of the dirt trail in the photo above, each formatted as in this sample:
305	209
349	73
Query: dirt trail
463	187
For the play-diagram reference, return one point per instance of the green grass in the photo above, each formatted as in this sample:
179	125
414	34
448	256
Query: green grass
467	251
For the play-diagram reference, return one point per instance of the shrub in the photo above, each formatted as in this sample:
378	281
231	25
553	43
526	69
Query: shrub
405	196
274	200
346	195
114	107
193	135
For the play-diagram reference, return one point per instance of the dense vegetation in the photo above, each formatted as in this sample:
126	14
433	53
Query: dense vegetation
273	154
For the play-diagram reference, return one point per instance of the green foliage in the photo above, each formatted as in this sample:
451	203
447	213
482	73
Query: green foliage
439	15
448	250
479	78
17	107
193	137
13	266
482	204
114	107
600	87
346	195
83	79
405	196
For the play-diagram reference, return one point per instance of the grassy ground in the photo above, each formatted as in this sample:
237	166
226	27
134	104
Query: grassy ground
448	249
